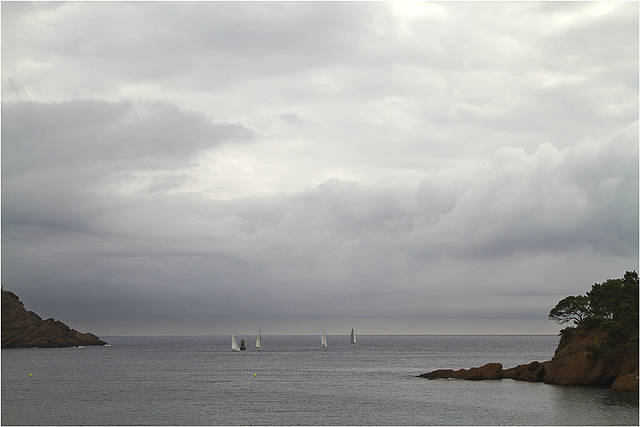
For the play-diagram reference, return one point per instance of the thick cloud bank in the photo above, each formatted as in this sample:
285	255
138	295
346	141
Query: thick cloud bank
278	172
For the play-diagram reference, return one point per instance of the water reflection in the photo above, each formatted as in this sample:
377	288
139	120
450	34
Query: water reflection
580	405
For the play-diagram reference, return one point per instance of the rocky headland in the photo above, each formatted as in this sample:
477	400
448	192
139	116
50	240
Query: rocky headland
22	328
580	360
600	350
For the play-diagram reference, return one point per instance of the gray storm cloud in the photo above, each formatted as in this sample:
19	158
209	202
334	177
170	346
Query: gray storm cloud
266	168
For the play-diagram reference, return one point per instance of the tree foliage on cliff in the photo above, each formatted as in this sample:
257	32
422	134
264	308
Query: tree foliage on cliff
612	304
574	308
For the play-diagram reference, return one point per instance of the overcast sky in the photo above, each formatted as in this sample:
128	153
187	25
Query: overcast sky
213	167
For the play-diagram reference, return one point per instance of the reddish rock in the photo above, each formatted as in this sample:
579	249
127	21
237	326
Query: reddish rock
490	371
438	374
627	382
534	371
630	366
579	360
583	360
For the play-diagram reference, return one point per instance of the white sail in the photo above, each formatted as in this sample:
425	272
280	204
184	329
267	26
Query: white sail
323	339
234	343
259	341
353	337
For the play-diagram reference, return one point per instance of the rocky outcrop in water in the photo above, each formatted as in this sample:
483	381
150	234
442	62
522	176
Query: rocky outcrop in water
533	372
490	371
582	359
600	350
22	328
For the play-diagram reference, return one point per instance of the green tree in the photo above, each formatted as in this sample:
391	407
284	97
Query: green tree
616	299
611	305
574	308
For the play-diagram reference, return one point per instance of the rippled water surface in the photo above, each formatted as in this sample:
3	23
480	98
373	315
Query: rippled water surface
292	381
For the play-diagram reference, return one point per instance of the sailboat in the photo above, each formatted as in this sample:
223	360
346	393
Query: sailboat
259	341
353	337
323	340
234	343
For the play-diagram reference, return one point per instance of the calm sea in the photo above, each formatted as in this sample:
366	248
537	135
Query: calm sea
197	380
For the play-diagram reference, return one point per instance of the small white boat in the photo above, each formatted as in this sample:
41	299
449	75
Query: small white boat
323	340
259	341
353	337
234	343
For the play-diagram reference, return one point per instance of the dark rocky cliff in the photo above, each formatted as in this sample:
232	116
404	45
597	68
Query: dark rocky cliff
581	359
585	359
22	328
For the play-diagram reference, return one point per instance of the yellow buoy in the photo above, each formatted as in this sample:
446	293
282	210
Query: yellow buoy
254	375
29	375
